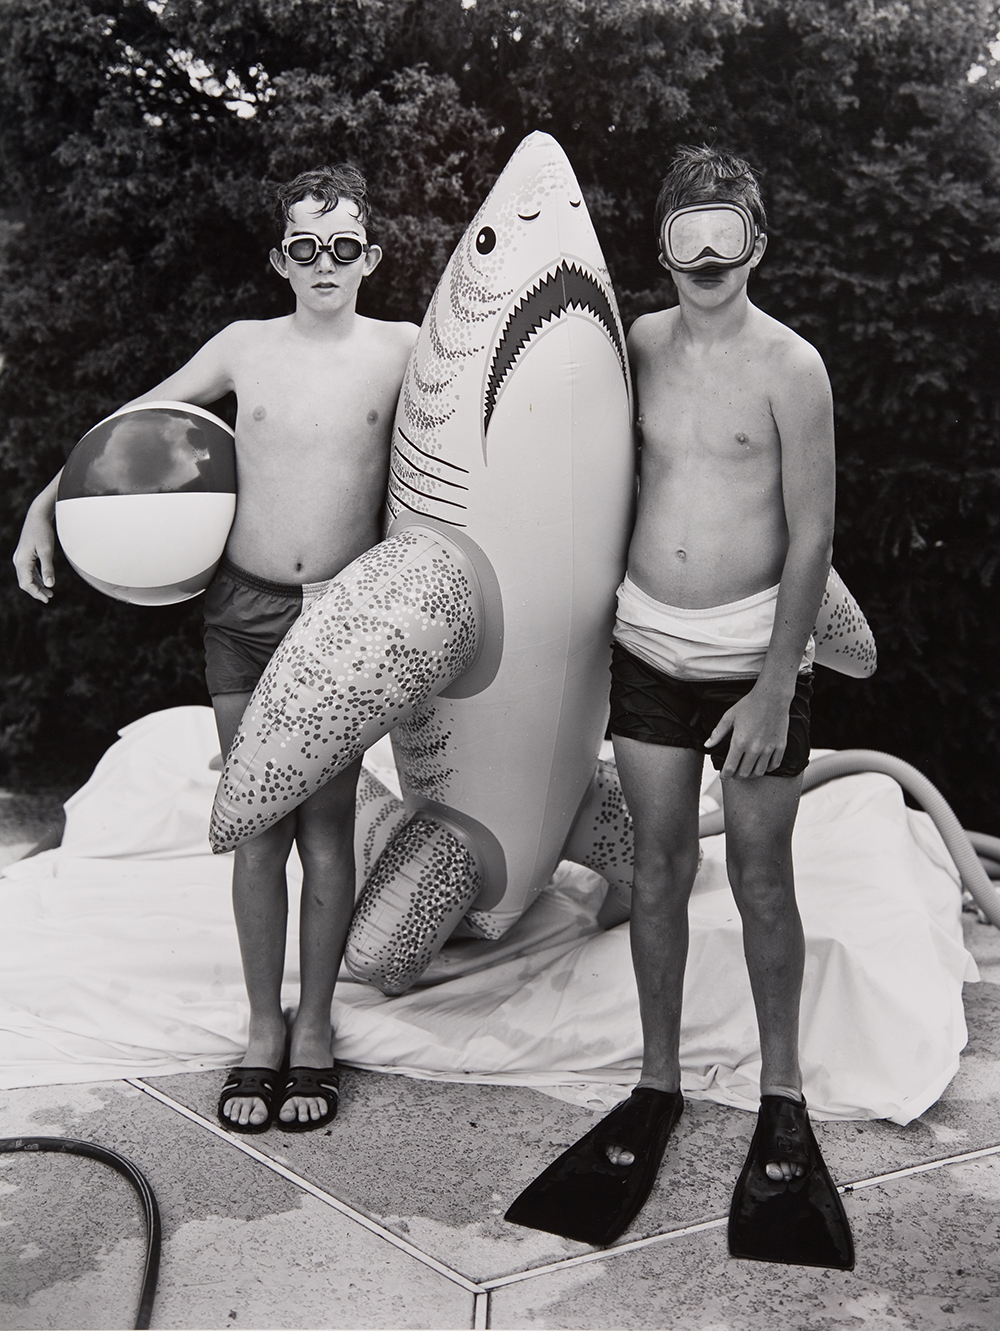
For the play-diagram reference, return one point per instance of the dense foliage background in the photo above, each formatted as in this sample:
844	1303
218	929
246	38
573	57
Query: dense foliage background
135	140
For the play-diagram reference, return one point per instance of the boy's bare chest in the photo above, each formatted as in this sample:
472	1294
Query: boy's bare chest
719	411
308	401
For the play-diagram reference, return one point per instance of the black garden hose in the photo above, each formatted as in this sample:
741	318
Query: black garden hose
68	1146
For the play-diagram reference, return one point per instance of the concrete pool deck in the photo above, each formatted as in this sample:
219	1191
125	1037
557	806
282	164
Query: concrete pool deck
392	1217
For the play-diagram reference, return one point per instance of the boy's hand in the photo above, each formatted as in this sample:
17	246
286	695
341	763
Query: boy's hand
759	723
33	558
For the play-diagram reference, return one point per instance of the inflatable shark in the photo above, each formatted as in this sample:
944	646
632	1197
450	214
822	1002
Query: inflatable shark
479	631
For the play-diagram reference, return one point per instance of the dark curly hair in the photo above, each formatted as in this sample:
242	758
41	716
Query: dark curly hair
329	183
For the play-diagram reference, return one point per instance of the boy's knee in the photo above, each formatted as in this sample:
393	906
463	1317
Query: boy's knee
327	840
767	890
671	863
268	849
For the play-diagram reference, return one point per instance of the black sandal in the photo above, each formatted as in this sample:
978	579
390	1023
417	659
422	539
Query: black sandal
321	1084
243	1083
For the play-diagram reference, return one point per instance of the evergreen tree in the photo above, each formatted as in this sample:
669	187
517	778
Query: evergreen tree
137	139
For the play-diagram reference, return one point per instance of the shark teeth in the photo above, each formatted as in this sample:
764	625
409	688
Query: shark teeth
569	286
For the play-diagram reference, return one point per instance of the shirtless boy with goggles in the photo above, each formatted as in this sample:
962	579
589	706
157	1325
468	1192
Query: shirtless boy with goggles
316	394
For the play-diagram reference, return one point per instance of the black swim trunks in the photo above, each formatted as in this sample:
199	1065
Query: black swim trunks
655	708
245	619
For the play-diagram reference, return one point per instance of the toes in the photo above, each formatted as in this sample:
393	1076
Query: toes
242	1111
783	1170
304	1109
619	1156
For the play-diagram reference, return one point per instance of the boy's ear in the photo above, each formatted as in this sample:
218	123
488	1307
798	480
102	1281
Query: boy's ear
372	259
760	245
279	263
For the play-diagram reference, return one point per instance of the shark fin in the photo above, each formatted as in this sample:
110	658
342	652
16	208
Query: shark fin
395	627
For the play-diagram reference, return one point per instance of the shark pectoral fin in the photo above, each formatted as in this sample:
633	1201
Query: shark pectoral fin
420	887
844	642
395	627
601	839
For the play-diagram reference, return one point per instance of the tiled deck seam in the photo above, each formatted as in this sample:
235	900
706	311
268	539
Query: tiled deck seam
327	1198
482	1289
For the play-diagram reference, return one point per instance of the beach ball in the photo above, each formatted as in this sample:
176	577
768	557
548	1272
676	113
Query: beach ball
146	500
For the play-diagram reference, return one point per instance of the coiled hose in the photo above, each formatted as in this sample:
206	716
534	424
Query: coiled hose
962	846
69	1146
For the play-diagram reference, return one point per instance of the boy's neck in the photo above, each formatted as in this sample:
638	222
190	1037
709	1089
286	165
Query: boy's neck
721	324
325	326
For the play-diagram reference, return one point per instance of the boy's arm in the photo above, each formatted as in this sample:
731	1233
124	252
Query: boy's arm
802	408
205	378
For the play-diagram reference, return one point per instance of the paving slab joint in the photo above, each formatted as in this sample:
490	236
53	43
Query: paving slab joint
366	1222
481	1289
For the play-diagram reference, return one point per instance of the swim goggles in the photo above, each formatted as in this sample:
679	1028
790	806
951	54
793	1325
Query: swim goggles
305	248
719	235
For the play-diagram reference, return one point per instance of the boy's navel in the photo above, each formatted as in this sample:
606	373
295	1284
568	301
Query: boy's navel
681	554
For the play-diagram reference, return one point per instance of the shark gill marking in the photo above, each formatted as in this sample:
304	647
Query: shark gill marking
570	286
404	495
443	461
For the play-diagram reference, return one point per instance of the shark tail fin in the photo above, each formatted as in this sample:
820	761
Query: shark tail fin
844	641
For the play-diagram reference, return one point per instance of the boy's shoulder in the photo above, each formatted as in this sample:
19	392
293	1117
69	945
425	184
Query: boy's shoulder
783	346
250	332
391	334
649	329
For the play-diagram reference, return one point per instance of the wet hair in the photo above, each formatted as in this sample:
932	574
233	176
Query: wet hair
328	183
704	175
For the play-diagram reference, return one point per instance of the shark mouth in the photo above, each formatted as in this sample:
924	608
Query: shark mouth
571	286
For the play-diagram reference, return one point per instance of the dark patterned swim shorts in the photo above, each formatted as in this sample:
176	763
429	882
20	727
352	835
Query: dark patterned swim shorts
655	708
245	619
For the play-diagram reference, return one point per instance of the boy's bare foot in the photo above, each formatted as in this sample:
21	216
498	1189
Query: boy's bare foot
784	1170
311	1047
265	1049
618	1155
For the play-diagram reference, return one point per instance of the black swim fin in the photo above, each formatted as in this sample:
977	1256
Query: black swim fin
801	1222
582	1195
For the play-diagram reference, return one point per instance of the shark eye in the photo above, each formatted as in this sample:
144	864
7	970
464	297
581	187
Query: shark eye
529	217
486	240
575	203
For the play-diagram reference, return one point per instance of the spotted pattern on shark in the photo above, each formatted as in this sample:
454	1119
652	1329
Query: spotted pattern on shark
377	814
362	656
440	881
421	745
843	638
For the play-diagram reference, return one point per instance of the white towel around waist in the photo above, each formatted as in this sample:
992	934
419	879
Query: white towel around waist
717	642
